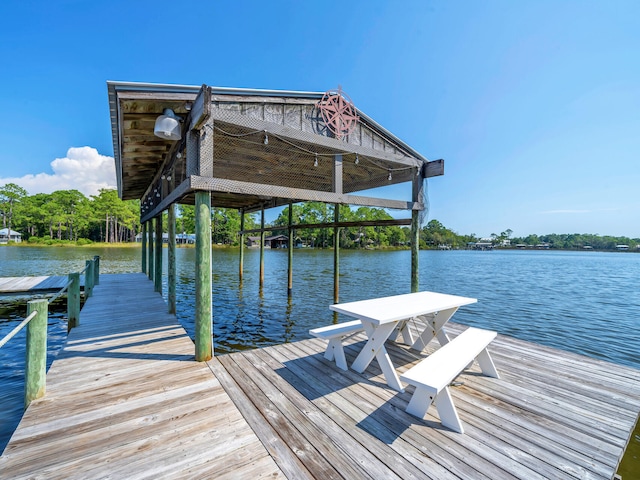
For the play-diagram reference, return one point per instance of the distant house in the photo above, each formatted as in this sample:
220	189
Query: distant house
7	236
253	241
275	241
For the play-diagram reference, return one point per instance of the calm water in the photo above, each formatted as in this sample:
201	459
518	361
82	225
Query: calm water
585	302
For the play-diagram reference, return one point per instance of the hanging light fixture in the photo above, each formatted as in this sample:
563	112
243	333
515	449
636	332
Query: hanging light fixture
168	126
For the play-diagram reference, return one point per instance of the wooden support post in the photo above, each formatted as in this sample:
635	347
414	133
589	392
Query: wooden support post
150	231
336	255
171	256
96	270
144	247
241	266
415	232
203	320
290	263
157	261
88	279
35	371
262	247
73	301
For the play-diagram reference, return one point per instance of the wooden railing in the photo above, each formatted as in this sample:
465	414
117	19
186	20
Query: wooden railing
36	322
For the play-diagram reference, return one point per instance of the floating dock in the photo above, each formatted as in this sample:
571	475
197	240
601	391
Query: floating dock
125	399
33	285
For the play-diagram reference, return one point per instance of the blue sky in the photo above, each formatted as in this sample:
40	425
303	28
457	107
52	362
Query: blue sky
534	105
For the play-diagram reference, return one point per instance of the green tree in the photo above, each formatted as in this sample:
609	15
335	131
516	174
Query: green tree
10	195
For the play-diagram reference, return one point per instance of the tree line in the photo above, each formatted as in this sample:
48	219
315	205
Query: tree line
69	215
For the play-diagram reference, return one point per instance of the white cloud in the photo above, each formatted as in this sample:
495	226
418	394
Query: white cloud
83	169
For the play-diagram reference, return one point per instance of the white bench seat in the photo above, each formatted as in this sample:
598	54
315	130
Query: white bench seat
432	376
335	333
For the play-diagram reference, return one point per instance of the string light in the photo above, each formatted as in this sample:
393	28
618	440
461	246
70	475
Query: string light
389	177
266	138
315	162
357	160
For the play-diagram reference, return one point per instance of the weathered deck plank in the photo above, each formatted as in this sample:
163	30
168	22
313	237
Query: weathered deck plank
126	400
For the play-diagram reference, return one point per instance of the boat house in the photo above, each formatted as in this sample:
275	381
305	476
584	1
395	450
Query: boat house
252	150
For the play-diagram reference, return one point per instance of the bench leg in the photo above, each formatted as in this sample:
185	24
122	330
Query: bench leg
486	364
420	402
335	351
447	411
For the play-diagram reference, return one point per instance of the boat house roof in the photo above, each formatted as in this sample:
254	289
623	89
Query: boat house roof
252	149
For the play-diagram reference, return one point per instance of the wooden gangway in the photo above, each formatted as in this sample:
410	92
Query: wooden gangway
35	284
126	400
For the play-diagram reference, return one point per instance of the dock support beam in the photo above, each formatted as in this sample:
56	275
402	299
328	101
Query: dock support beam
88	279
203	320
336	255
290	262
150	231
417	186
73	301
144	247
35	371
96	270
262	247
171	256
241	266
157	262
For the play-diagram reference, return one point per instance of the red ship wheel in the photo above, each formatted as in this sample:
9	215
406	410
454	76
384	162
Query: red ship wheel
338	112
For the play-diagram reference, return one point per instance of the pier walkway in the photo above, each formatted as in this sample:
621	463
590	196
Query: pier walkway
126	400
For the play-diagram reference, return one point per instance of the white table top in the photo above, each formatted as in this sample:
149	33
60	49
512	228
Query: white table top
400	307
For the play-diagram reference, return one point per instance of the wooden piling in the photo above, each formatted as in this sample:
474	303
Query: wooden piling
203	320
415	232
73	301
290	262
96	270
336	255
144	247
150	231
241	265
262	247
36	356
171	259
88	279
157	261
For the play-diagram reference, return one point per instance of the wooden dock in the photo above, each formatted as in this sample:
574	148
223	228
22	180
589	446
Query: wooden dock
39	284
125	400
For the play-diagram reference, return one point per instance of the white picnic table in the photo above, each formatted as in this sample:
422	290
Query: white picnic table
380	317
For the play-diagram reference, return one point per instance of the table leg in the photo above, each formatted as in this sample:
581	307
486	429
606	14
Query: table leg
434	329
374	348
404	330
